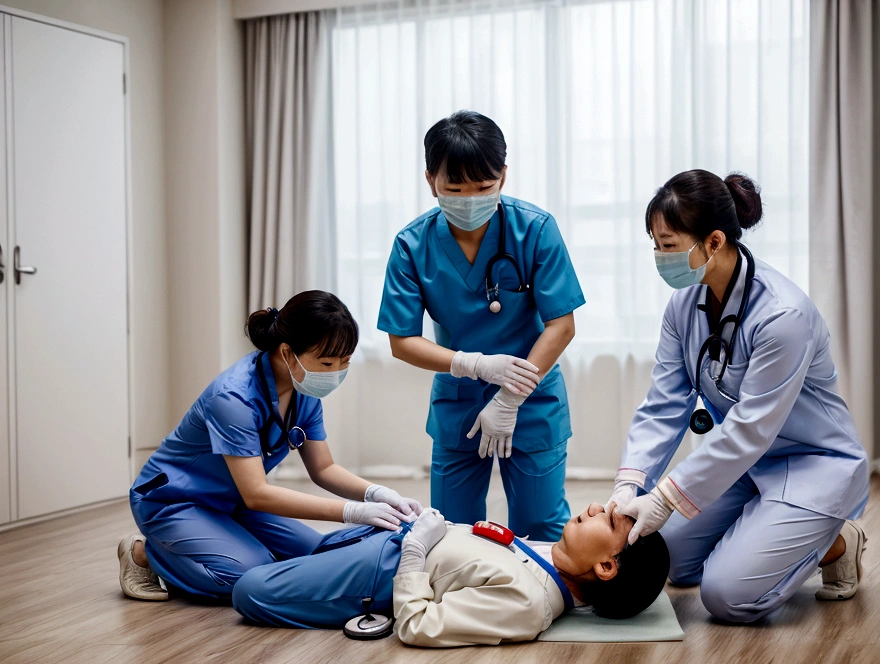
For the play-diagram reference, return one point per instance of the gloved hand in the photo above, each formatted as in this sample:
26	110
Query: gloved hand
623	495
512	373
409	507
650	511
428	529
371	514
497	420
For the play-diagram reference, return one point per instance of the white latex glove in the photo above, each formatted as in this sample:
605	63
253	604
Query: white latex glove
512	373
428	529
497	421
623	495
372	514
650	511
409	507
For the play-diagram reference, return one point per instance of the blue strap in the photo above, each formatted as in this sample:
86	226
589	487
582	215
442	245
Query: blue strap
547	567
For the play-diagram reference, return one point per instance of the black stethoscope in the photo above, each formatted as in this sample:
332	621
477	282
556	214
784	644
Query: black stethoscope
295	435
721	350
501	255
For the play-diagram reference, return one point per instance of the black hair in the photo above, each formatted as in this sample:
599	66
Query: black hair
312	320
469	145
698	202
642	569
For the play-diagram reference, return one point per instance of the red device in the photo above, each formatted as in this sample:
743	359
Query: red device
494	531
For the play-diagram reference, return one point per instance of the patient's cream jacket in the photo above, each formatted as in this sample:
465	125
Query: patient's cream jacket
474	592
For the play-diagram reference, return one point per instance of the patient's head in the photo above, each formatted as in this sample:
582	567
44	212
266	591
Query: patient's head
617	579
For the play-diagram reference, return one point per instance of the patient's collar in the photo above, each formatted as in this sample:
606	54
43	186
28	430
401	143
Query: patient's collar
545	550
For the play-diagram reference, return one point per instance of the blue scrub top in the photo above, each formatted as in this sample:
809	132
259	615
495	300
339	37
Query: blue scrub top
237	415
428	271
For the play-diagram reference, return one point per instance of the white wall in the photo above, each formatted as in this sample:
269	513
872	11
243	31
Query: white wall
189	241
141	22
204	156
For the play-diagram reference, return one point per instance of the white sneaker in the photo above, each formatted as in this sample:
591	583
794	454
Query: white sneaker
840	579
136	581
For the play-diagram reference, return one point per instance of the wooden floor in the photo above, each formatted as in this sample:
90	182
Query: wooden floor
60	602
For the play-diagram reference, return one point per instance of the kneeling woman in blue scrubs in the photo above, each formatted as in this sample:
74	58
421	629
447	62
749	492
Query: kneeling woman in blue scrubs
763	502
202	499
495	277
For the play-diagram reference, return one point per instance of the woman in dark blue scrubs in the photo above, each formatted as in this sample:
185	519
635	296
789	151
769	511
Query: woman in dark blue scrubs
202	499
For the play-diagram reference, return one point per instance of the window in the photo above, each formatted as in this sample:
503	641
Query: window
600	103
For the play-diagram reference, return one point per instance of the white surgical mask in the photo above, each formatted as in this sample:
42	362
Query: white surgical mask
316	383
468	212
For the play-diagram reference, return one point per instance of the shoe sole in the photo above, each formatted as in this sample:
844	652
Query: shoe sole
861	545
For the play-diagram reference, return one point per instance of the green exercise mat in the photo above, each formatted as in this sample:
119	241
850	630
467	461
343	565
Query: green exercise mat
656	623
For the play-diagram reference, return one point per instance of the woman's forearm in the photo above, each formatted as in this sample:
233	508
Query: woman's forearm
422	353
295	504
336	479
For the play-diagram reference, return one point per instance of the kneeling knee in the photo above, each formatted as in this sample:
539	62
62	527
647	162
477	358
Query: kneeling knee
245	594
724	600
685	575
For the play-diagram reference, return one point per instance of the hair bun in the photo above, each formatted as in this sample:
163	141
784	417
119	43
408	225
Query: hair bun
747	199
259	328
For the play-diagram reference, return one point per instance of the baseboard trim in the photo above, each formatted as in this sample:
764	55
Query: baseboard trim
57	515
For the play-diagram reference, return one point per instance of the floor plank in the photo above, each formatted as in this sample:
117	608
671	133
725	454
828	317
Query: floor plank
60	602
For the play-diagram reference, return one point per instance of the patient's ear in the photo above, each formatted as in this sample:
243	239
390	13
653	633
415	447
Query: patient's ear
605	571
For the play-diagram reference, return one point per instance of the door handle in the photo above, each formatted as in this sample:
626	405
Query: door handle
2	266
18	268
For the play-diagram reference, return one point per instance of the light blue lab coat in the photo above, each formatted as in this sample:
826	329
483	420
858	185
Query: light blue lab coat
790	432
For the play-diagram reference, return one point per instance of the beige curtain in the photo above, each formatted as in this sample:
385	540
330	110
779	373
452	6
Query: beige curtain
844	186
289	157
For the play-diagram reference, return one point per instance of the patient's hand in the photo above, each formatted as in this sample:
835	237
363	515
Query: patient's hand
428	529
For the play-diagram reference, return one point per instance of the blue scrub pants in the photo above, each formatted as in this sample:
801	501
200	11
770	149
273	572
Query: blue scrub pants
749	555
324	589
534	483
204	552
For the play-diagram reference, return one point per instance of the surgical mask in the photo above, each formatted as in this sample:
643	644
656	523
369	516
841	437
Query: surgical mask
468	212
676	270
316	384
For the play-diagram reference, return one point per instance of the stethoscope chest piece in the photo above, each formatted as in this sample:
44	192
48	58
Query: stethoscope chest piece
368	626
495	306
701	421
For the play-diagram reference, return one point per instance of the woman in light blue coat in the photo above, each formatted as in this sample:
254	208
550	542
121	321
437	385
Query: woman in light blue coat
764	500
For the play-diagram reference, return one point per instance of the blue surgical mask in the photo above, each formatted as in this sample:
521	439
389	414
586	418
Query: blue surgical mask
468	212
316	383
676	270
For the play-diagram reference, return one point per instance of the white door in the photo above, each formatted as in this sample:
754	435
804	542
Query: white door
71	375
5	288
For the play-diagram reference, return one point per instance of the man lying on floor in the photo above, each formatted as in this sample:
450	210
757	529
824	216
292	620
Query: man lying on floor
454	588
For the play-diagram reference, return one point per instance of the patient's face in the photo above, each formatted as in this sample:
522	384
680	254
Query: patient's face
592	538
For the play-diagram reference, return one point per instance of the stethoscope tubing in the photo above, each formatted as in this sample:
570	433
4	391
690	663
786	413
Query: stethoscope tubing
717	335
502	255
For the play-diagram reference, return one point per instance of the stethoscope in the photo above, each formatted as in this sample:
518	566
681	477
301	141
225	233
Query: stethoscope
501	255
720	350
295	435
